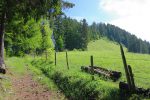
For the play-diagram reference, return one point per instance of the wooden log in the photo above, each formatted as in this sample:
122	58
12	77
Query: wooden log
114	75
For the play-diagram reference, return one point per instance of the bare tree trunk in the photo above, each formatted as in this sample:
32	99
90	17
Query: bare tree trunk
2	64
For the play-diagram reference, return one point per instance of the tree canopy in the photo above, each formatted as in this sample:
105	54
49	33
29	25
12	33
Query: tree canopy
18	19
72	34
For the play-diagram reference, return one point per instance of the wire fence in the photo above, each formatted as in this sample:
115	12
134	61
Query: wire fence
121	58
72	62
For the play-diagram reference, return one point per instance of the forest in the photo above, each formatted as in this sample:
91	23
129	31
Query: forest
26	34
68	30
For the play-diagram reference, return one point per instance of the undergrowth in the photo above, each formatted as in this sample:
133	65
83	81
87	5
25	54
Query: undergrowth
77	85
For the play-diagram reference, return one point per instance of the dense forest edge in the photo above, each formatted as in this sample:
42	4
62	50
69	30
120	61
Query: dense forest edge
36	36
27	35
71	34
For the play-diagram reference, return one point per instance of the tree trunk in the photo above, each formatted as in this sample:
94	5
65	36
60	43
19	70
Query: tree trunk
2	64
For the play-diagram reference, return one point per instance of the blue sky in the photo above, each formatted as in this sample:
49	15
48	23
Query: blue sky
88	9
131	15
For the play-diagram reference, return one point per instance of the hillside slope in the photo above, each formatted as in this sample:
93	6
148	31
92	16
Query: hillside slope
103	44
107	54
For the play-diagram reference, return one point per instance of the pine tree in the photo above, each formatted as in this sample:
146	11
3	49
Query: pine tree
84	34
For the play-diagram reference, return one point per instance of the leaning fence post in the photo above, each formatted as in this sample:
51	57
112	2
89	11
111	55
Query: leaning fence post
131	78
125	67
67	60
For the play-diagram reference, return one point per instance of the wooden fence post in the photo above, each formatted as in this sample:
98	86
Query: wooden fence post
125	67
92	64
67	60
92	61
55	58
131	78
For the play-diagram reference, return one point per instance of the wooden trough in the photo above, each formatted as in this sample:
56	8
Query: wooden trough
113	75
140	91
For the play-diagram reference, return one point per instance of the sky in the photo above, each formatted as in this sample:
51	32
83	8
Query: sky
131	15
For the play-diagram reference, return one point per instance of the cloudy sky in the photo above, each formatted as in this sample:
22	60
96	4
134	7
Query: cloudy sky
131	15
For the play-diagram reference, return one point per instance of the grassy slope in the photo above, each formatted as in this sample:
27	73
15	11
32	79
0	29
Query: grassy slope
107	54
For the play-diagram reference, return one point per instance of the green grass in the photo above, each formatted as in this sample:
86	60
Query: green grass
20	66
76	84
107	55
5	87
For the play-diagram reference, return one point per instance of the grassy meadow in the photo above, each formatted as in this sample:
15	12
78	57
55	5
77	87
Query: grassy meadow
74	83
107	55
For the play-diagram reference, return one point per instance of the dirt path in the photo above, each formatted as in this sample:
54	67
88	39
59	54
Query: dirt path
25	88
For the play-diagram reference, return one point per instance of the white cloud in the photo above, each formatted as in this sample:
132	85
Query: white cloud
132	15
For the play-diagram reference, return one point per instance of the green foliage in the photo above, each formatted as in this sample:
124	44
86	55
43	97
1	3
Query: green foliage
70	34
60	43
134	97
46	34
84	34
23	24
76	35
77	85
27	38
